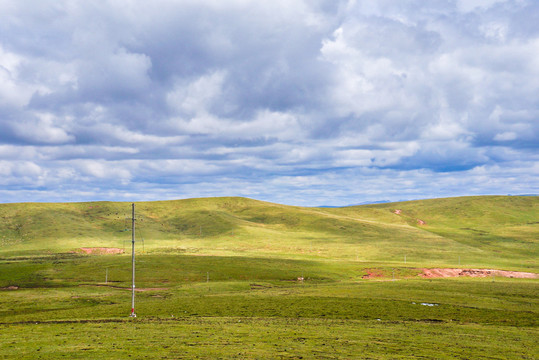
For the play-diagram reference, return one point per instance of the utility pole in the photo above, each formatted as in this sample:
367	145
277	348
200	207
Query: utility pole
133	260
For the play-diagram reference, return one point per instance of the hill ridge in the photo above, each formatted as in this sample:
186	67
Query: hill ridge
483	231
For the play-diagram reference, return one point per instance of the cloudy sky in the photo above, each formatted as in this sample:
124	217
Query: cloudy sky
302	102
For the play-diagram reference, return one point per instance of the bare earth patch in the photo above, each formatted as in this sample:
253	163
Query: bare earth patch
125	288
443	273
373	273
101	251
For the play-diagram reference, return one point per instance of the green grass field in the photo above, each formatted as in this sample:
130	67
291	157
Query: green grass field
219	279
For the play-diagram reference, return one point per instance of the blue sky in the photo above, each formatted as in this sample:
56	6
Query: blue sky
297	102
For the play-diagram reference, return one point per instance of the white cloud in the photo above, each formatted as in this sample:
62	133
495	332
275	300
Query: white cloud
12	91
113	74
42	128
506	136
307	101
471	5
265	124
21	173
198	96
91	170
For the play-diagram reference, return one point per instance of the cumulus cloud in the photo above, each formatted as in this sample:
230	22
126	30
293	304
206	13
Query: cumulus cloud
298	102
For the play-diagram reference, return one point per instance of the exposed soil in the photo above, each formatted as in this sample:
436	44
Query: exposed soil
80	321
373	273
397	211
101	251
446	273
12	287
443	273
421	222
125	288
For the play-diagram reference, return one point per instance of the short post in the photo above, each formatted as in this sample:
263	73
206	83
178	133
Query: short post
106	275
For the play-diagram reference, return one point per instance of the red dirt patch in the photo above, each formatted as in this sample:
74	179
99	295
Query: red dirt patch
398	211
421	222
101	251
373	273
443	273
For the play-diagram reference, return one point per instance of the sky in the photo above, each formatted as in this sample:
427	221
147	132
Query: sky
298	102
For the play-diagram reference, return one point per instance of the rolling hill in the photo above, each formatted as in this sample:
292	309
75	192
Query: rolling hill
240	278
485	231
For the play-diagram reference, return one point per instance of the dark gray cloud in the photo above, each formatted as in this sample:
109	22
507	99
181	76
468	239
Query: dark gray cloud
304	102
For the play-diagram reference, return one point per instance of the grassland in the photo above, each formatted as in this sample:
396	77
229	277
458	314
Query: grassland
220	280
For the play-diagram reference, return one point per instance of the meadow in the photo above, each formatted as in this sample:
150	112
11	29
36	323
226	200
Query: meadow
239	278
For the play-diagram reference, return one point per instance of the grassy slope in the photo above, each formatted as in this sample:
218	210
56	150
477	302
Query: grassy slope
477	231
252	307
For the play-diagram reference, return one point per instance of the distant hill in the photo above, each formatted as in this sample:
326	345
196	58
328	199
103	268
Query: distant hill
363	203
500	231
